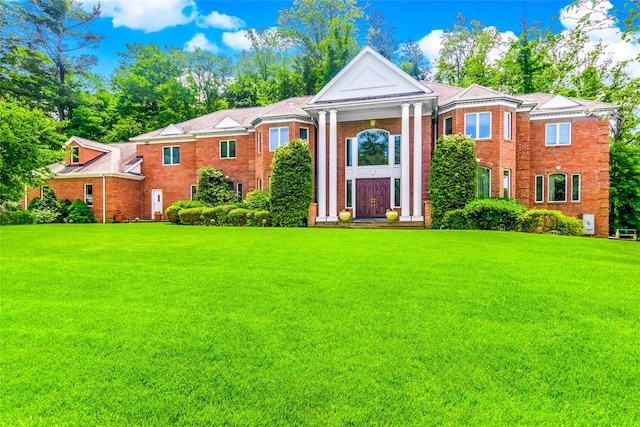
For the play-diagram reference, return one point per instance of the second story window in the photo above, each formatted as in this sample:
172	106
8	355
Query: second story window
507	125
558	134
170	155
278	137
227	149
477	125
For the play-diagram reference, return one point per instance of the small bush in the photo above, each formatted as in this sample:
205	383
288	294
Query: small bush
237	217
208	216
190	216
18	217
257	200
220	214
79	212
494	214
260	218
45	216
173	213
550	221
190	204
455	220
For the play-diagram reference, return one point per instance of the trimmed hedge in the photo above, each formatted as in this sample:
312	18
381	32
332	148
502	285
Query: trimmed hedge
260	218
208	216
79	212
237	217
220	214
455	220
190	216
257	200
494	214
550	221
172	213
189	204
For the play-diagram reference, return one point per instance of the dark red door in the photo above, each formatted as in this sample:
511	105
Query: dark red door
372	197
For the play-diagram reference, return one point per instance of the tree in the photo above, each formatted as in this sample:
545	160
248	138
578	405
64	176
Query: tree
593	16
49	33
413	60
214	188
452	181
291	184
624	190
380	34
29	142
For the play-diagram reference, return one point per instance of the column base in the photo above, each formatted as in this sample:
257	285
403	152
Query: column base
417	218
321	219
333	219
405	218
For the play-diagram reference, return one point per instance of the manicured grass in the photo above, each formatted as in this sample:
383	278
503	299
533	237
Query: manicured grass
152	324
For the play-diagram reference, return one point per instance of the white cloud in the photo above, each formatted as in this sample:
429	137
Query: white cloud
431	45
147	15
237	40
220	21
200	41
603	32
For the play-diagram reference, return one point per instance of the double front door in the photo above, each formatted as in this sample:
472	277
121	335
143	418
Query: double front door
373	197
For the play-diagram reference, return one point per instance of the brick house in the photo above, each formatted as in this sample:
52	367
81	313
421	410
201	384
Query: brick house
371	132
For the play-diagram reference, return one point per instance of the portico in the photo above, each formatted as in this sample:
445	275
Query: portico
371	151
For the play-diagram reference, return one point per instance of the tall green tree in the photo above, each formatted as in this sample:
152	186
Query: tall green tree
412	60
49	35
29	141
380	34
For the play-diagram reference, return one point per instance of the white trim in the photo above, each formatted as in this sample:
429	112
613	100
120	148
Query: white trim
477	170
77	160
235	149
300	129
279	129
192	193
172	163
405	165
322	165
479	102
333	166
508	175
477	114
444	125
566	187
557	136
98	175
417	163
85	194
507	136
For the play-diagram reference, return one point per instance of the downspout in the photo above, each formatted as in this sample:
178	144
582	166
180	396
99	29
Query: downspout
104	199
26	197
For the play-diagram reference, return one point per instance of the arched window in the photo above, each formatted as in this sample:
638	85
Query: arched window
558	187
373	147
483	181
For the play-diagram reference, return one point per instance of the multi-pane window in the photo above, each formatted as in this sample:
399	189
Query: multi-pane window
278	137
304	134
558	134
170	155
75	155
558	187
507	125
194	190
539	188
478	125
448	125
373	148
483	181
575	187
88	194
228	149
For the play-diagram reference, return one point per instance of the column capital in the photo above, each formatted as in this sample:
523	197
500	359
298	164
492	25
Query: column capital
322	113
418	104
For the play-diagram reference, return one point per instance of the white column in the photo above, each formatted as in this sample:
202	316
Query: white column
333	166
417	163
322	166
404	165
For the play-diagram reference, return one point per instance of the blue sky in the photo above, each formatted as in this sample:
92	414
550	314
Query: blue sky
219	26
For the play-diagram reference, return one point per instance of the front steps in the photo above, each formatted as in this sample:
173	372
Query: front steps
372	223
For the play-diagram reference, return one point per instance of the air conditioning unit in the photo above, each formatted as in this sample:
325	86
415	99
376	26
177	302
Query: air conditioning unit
589	221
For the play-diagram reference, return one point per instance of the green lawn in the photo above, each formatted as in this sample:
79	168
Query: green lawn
153	324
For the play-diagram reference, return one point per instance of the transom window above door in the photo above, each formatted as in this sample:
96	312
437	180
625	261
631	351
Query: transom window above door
373	147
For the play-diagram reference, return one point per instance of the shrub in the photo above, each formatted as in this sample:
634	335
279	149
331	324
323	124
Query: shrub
48	209
550	221
45	216
19	217
173	213
237	217
208	214
220	214
190	204
291	184
213	188
190	216
261	219
257	200
455	220
79	212
452	182
494	214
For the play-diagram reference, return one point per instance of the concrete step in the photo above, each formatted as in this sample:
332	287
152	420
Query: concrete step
374	224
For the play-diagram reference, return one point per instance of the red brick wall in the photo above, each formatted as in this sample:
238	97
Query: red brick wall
85	155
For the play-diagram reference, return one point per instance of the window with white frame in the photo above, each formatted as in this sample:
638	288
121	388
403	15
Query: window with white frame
397	141
575	187
478	125
228	149
349	153
349	193
448	126
396	192
194	192
558	187
539	189
88	194
170	155
259	143
278	137
304	134
506	183
75	155
239	190
558	134
507	125
259	183
483	181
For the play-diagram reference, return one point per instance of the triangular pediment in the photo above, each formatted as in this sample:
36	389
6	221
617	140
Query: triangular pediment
227	123
171	130
369	75
558	102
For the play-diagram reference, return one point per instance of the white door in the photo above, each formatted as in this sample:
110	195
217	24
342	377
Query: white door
156	201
